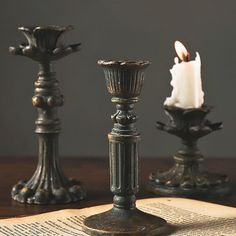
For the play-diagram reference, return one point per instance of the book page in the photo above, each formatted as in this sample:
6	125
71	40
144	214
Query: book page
193	218
189	218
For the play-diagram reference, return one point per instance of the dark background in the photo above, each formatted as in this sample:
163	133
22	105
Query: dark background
112	29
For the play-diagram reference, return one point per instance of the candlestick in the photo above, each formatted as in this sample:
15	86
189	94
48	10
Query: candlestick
48	185
124	81
187	178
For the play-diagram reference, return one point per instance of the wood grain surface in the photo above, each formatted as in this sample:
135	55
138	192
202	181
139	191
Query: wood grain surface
94	173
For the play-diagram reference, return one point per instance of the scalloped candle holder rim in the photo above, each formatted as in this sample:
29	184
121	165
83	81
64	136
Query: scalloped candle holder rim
49	27
126	63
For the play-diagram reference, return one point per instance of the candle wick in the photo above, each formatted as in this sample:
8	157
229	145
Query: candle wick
186	58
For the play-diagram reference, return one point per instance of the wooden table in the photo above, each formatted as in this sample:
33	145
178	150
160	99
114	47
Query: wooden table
94	173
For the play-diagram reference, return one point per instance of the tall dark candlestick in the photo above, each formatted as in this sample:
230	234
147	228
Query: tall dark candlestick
48	185
124	80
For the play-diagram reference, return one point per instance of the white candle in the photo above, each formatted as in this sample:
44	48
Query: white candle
186	80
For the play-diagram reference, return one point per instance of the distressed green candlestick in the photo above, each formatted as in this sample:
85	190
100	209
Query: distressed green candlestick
187	178
48	185
124	81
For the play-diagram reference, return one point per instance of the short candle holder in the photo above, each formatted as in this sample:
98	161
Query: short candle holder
48	185
186	178
124	80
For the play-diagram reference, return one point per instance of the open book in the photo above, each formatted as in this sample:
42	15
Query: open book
189	218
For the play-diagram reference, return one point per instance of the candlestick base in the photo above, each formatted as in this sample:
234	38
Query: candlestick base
53	192
186	178
125	222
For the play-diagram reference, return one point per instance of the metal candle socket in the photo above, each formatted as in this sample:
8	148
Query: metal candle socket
186	178
124	80
48	185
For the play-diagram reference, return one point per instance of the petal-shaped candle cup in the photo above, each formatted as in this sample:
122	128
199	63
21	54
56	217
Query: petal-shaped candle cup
44	38
43	43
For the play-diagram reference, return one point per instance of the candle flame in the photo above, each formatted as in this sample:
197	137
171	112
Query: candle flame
181	51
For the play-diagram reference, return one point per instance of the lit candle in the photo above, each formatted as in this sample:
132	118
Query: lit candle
186	80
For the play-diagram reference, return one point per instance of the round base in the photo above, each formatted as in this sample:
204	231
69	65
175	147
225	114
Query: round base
125	222
26	192
199	193
188	180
